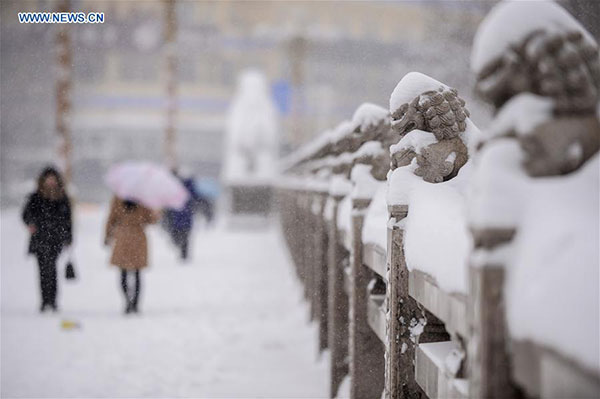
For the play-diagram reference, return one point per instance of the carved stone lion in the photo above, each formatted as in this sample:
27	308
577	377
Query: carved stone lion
565	68
557	62
443	113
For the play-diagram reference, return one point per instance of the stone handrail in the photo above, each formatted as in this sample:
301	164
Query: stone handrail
395	319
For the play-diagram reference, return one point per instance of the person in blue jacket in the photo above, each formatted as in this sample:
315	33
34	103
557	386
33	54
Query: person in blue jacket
180	222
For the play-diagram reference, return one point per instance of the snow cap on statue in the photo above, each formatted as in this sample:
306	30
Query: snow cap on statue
410	86
510	22
538	48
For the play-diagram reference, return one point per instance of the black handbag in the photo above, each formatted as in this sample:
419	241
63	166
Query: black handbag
70	271
69	268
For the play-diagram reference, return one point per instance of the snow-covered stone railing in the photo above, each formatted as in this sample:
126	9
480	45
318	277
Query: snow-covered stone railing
442	261
428	240
534	270
340	172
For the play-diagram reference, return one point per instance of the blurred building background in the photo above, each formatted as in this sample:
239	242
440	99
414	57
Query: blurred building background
323	59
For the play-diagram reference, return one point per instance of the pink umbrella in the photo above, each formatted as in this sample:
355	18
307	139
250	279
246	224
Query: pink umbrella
150	184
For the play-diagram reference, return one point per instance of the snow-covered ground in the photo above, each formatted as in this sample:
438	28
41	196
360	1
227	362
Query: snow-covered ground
231	323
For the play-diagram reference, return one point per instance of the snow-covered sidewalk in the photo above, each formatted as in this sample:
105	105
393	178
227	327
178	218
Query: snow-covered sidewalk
229	324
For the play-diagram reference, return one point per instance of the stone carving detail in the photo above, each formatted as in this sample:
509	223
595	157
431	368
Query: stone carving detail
380	132
441	112
545	66
441	161
564	68
402	158
437	162
561	145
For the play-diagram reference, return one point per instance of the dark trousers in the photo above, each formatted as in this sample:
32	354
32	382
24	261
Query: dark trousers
181	239
48	281
131	293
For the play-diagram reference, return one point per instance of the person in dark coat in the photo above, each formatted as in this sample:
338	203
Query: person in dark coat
47	214
205	206
179	222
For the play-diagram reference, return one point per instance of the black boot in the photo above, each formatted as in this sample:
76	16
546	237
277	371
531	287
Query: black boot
184	248
136	293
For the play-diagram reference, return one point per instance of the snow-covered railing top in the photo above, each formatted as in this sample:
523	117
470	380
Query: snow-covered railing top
433	124
427	191
498	229
534	205
369	122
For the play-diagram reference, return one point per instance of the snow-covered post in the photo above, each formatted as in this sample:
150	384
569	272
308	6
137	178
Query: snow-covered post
63	92
399	349
337	298
307	250
296	230
290	215
315	253
300	233
319	246
302	201
311	254
431	120
366	351
542	74
171	86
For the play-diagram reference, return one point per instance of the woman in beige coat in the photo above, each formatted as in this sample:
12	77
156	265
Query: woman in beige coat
125	226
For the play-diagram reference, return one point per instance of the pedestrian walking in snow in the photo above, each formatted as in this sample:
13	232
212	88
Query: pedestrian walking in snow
179	222
125	227
47	215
